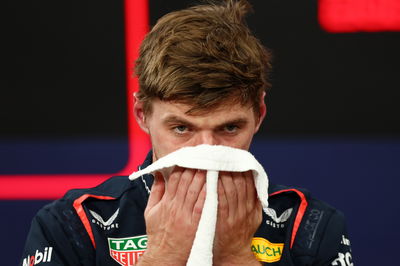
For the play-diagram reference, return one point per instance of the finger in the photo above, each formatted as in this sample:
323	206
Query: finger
223	210
173	182
157	190
184	183
257	210
230	193
251	191
194	190
239	180
198	207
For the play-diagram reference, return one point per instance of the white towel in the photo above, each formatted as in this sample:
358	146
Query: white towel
212	159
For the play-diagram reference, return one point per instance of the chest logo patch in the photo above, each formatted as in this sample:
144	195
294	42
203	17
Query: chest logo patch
281	219
127	251
278	222
266	251
105	225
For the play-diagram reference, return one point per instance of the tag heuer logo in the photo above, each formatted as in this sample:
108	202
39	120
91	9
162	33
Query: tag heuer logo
127	251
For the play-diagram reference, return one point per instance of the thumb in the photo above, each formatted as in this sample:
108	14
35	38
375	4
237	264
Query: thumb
157	190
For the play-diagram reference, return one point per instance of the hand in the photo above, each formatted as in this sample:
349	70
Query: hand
172	216
239	216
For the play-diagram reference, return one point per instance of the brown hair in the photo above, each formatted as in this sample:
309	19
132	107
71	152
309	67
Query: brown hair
202	56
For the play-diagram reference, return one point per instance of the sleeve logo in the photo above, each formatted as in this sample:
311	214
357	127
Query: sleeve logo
265	250
127	251
343	259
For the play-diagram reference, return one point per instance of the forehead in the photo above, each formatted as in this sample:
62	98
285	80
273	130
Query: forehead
225	111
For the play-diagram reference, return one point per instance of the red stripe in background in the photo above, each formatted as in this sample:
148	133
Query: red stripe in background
338	16
54	186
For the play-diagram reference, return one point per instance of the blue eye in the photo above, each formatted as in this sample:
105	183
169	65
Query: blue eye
180	129
231	128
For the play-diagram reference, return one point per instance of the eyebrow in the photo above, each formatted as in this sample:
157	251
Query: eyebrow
178	120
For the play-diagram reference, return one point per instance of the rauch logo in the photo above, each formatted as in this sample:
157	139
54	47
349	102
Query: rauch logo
127	251
38	257
265	250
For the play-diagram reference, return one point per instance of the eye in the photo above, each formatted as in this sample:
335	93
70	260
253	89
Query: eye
231	128
181	129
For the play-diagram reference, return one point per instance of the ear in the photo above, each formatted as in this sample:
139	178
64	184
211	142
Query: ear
138	112
262	111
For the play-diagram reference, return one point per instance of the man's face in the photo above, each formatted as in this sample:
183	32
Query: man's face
170	128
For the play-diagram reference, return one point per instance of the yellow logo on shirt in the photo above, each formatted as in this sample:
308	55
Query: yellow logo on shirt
265	250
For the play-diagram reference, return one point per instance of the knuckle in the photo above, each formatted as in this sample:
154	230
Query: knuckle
200	176
202	173
173	211
198	209
174	177
230	193
203	194
187	175
222	205
243	215
240	182
249	207
189	171
191	193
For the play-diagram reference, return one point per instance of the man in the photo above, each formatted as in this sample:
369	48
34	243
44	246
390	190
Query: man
202	78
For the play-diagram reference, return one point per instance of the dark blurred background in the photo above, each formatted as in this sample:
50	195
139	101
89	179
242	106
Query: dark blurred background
332	125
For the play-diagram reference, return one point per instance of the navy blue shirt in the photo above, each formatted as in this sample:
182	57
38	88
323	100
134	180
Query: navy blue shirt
105	225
